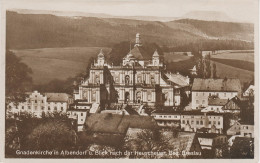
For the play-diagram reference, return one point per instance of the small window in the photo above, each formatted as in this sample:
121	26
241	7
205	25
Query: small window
29	107
81	114
201	122
42	108
49	108
183	122
22	107
35	101
218	123
210	122
198	122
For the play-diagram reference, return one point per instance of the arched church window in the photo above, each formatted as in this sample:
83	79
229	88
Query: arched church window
85	95
149	96
127	79
97	79
152	80
93	96
138	97
139	79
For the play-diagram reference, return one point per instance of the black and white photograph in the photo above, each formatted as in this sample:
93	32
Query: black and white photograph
129	79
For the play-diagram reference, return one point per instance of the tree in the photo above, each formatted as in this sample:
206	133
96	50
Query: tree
18	79
53	134
214	71
207	66
146	141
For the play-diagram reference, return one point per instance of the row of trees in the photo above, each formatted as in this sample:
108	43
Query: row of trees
205	69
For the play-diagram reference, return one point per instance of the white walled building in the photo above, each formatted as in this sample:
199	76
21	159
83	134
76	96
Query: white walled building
202	89
193	121
38	103
167	118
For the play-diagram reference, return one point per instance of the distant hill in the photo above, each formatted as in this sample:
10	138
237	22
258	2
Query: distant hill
222	30
77	14
28	31
208	16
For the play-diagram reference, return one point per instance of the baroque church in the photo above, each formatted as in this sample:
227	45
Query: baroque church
139	80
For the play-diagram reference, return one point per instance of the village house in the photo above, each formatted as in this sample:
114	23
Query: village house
79	111
167	117
38	104
202	89
233	105
211	141
195	121
112	128
247	129
234	129
215	105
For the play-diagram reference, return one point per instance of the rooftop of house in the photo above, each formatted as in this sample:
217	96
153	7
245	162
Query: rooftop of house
217	101
221	85
178	79
208	135
198	112
166	111
57	97
113	123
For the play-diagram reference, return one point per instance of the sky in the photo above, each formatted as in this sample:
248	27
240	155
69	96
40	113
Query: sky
242	10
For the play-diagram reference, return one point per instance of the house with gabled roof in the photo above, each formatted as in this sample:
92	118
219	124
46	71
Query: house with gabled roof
202	89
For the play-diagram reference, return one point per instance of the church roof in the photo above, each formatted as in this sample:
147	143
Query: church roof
137	52
178	79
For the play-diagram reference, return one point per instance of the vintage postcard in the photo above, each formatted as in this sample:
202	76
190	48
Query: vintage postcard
129	79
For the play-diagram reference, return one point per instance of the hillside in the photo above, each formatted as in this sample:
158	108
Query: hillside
49	64
222	30
28	31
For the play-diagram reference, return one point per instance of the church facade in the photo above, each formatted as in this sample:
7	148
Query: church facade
137	81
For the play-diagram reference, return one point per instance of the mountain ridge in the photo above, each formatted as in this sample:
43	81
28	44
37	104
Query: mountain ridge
25	31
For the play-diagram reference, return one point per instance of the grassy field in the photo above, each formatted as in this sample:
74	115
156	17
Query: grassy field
173	57
236	63
236	55
57	63
224	70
